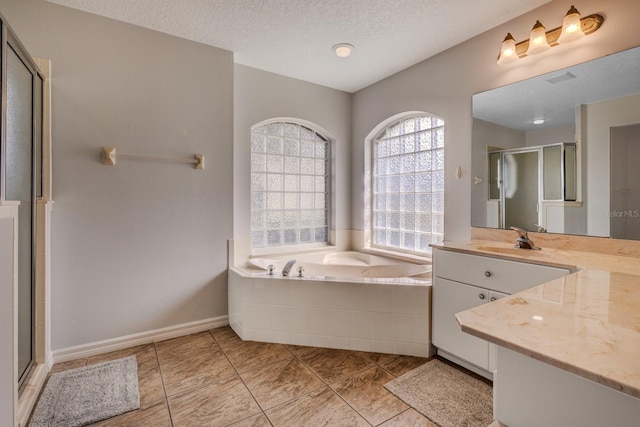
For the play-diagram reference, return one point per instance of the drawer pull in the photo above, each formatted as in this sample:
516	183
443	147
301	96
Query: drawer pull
493	299
481	296
487	273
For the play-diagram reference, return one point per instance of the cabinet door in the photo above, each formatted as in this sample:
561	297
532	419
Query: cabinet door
493	349
450	298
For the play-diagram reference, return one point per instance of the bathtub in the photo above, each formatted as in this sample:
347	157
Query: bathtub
346	300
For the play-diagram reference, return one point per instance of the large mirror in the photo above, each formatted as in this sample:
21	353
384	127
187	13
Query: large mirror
583	124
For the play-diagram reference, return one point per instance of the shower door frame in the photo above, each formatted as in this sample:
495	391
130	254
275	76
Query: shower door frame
11	41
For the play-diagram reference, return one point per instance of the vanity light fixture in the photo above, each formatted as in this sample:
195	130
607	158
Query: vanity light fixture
573	28
538	40
342	50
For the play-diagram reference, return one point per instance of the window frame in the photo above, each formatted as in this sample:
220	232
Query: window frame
297	247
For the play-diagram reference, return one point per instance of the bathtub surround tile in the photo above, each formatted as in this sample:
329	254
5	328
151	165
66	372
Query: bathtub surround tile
281	382
218	404
365	393
271	291
254	354
319	408
267	317
175	349
410	417
332	313
409	299
191	372
332	365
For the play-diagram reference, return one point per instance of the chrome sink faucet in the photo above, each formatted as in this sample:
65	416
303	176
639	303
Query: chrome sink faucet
287	267
523	241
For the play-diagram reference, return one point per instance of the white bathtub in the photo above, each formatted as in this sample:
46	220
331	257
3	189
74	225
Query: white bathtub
346	300
344	264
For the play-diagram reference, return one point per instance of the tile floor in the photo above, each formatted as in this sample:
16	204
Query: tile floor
214	378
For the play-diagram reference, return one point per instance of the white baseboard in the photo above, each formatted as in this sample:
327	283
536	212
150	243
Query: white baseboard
99	347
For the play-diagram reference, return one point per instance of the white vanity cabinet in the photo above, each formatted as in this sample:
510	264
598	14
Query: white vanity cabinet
463	281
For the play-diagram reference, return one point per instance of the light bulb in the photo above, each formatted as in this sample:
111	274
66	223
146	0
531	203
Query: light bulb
537	40
571	27
508	52
343	50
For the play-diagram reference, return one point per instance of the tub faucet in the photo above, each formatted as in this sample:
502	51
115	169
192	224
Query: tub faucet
287	267
523	241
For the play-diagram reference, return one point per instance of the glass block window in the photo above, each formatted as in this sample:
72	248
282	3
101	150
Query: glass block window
289	185
408	185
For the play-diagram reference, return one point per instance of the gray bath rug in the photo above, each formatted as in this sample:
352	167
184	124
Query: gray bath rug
82	396
445	395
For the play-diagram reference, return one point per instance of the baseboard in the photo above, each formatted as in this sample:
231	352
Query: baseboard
120	343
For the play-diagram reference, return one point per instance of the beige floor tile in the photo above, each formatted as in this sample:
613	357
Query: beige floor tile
191	372
332	365
365	393
411	418
153	416
319	408
280	382
177	348
145	355
213	405
259	420
71	364
380	358
226	338
251	355
150	387
403	364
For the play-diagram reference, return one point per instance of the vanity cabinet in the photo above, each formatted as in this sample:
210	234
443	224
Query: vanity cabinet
463	281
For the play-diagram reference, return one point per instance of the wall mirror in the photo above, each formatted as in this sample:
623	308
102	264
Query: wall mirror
561	152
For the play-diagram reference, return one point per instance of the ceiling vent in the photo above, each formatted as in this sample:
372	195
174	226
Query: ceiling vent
561	78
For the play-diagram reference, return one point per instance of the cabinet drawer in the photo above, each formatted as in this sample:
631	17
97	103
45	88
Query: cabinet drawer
492	273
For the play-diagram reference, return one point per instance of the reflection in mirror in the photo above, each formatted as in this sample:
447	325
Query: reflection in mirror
583	123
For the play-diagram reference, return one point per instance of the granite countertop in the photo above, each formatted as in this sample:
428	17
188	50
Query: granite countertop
587	323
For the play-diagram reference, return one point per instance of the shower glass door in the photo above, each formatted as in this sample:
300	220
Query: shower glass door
20	173
521	190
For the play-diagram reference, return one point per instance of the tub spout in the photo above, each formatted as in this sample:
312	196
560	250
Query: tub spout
287	267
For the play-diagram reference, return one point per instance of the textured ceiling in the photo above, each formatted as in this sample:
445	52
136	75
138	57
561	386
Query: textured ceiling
294	37
516	105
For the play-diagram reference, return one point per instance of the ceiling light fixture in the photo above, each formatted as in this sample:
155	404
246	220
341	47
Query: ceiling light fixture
538	121
573	28
342	50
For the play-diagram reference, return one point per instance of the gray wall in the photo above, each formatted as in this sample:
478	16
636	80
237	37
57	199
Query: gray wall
140	245
443	85
260	95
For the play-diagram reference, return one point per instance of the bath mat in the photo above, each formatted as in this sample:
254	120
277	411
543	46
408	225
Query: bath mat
82	396
445	395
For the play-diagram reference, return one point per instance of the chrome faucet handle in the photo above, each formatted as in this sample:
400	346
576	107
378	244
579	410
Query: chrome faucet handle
523	241
522	233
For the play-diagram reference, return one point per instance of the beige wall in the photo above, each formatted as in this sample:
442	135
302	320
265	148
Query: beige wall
443	85
141	245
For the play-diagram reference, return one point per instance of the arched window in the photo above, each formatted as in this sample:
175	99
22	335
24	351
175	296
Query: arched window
289	185
408	184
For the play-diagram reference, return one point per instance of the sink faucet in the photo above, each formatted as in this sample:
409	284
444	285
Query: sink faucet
523	241
287	267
